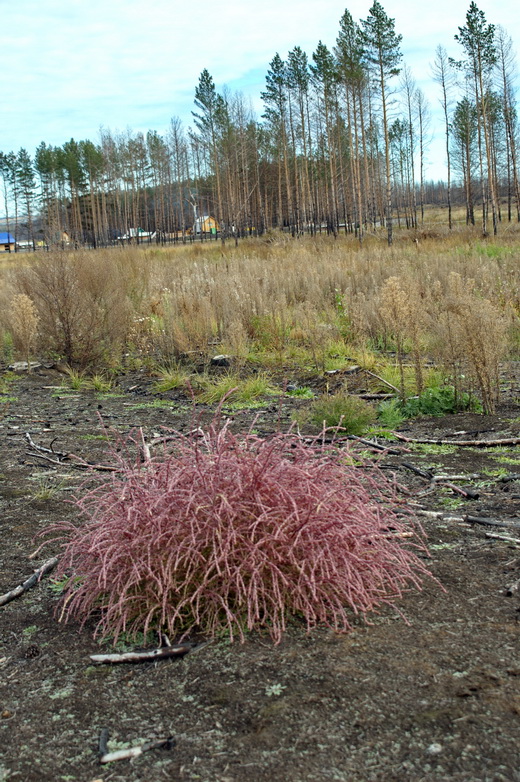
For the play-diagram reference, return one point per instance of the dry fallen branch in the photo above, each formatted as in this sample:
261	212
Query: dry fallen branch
467	492
468	519
460	443
42	449
382	380
422	473
470	477
376	446
445	481
30	582
131	752
431	514
491	522
374	396
57	457
505	538
162	653
166	438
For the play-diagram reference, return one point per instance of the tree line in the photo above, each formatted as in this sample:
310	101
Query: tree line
341	145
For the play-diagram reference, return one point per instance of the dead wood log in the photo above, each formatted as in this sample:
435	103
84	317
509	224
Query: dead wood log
162	653
30	582
460	443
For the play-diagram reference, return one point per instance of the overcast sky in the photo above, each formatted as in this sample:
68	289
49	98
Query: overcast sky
68	67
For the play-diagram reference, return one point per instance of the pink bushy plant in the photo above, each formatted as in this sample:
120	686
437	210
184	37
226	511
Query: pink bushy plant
227	533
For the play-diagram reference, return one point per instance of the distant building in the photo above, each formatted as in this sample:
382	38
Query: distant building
205	225
137	234
6	242
28	244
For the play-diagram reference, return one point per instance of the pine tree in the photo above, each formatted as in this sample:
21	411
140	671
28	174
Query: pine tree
350	55
382	48
210	105
477	39
276	113
27	184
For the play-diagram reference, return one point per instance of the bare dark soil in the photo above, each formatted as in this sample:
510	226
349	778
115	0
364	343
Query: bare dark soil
430	700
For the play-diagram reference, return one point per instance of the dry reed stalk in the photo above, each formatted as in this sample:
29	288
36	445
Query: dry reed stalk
24	322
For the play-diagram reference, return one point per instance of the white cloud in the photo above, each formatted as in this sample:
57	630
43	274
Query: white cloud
69	66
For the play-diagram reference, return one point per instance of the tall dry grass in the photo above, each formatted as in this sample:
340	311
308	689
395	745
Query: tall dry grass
24	321
284	298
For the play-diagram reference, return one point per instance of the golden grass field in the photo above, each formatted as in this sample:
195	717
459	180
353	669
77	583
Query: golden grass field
434	295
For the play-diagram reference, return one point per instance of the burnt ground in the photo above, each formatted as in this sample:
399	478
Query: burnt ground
434	699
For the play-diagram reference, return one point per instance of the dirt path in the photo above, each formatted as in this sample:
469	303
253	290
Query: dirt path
435	699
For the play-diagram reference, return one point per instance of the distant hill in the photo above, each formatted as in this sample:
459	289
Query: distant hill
22	226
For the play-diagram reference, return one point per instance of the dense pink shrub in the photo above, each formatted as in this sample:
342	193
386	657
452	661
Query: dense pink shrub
229	533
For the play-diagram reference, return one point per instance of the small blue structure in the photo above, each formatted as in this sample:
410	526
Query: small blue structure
6	242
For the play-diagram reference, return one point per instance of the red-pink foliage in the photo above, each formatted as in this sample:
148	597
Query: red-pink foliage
229	533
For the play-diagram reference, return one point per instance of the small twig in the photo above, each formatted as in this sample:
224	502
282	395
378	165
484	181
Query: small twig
133	752
30	582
